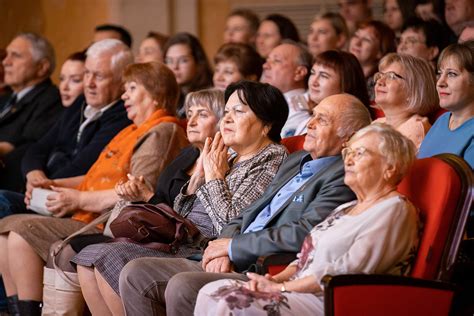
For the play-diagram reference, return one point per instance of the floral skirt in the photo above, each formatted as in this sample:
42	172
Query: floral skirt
230	297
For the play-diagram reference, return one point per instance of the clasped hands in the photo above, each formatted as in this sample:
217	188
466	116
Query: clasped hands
134	190
212	163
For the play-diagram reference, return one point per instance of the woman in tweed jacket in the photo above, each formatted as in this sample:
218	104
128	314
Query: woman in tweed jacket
220	187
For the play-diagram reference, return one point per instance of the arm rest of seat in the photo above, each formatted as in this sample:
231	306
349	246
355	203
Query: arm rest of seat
272	263
359	294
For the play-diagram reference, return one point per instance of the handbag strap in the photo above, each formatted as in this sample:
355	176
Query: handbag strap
99	220
169	248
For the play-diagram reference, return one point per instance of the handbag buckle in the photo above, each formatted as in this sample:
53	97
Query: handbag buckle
143	231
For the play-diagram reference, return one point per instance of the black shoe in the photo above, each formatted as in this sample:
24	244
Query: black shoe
30	308
12	302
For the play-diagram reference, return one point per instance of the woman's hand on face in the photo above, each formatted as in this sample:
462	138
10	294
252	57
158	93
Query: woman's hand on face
215	158
64	201
262	283
134	190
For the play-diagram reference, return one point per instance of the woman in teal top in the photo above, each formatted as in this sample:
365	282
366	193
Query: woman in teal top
453	132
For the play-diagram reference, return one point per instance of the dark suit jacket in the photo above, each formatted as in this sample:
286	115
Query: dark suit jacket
290	224
70	157
29	119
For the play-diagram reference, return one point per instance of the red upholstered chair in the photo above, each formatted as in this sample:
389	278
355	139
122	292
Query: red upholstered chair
355	295
293	143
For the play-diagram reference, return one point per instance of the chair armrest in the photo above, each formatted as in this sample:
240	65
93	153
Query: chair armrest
272	263
361	294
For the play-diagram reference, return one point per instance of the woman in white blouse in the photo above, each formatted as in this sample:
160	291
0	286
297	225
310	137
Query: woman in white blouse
377	233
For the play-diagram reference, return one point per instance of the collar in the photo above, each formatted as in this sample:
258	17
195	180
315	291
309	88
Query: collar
289	94
313	164
23	92
91	111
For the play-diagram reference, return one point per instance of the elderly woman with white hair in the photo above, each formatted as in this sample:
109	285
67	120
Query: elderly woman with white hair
405	89
377	233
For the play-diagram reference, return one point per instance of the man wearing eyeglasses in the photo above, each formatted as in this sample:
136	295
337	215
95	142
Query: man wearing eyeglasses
308	186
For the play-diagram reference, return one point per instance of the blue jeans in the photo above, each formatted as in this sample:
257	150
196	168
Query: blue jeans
11	203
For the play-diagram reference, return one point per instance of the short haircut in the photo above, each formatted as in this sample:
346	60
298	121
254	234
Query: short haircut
349	70
249	16
398	150
420	82
353	116
384	34
41	49
125	36
462	53
336	20
158	80
266	102
203	78
213	99
121	55
246	58
436	34
285	26
304	57
161	39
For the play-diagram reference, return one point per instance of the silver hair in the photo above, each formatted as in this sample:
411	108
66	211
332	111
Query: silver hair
121	54
353	117
41	48
304	57
211	98
398	150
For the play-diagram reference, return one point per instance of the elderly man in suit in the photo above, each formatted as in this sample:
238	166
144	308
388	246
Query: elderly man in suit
308	186
34	105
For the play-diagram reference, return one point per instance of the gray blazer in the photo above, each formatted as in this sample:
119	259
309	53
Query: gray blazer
290	224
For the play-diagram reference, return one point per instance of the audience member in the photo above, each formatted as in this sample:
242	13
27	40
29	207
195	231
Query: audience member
453	131
355	12
405	89
458	13
4	88
234	62
375	234
71	78
32	109
272	31
187	59
396	12
217	191
104	31
423	39
287	68
73	144
335	72
467	33
142	149
204	109
327	31
307	187
369	44
151	48
241	27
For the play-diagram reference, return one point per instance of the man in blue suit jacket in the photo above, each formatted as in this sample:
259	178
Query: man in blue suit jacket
308	186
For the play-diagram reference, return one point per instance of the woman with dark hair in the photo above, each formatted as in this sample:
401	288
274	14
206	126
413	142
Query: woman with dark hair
369	44
220	187
272	31
234	62
396	12
187	59
335	72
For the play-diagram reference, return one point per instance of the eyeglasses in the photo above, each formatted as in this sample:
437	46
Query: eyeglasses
390	75
355	153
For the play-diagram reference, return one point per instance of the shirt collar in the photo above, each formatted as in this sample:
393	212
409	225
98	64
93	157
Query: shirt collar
91	111
23	92
308	162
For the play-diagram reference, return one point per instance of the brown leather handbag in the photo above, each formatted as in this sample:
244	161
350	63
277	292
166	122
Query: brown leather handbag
157	227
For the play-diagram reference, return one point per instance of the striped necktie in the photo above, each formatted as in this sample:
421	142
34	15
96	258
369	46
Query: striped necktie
8	106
